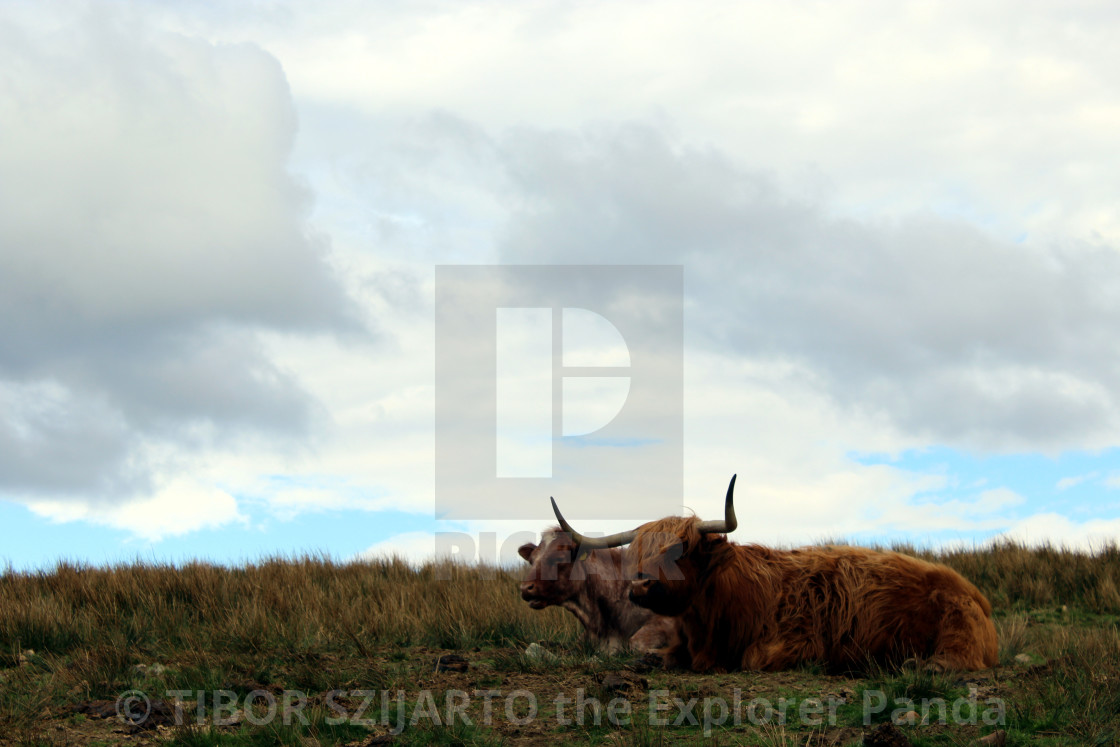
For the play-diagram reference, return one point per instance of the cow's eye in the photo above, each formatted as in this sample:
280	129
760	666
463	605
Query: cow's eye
642	576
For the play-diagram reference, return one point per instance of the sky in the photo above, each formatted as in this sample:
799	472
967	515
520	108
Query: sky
897	226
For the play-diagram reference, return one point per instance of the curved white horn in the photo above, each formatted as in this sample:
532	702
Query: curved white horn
593	543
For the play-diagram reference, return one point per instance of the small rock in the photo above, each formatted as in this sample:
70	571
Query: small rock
537	652
997	738
451	663
157	713
885	735
1023	659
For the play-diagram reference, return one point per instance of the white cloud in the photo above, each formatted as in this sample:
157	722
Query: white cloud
1071	482
984	512
175	509
493	543
1056	529
1002	114
417	547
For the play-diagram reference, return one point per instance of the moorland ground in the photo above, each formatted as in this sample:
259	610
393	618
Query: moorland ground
311	652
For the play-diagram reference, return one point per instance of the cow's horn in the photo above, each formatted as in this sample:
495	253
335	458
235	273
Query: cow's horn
729	522
586	544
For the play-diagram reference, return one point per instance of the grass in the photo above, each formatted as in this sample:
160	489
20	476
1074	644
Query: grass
334	632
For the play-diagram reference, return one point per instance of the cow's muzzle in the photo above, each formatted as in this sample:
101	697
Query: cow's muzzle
645	592
530	594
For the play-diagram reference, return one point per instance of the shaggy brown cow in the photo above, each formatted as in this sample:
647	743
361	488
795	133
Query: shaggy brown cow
751	607
594	590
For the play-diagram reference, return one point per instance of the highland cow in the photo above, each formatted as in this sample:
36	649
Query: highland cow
751	607
593	589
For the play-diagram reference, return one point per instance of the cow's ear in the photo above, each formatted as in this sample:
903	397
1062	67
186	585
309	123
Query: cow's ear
580	553
713	539
526	550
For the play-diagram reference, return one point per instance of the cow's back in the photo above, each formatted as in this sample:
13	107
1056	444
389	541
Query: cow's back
844	606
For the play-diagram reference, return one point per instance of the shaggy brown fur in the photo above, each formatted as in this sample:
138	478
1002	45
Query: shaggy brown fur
750	607
594	590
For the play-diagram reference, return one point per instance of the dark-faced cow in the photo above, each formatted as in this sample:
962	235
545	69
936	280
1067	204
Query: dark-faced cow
594	589
751	607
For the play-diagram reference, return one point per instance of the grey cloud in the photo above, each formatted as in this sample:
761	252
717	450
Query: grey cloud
927	322
148	229
225	381
948	333
52	440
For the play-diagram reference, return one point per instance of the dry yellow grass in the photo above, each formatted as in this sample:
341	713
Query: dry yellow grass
303	603
314	602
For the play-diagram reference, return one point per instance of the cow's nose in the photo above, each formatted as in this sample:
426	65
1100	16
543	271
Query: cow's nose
641	586
528	587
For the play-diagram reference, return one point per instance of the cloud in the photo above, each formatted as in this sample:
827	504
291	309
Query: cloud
948	333
174	509
1055	529
491	543
1071	482
741	168
890	334
897	224
1003	115
952	335
51	439
417	547
984	512
149	229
